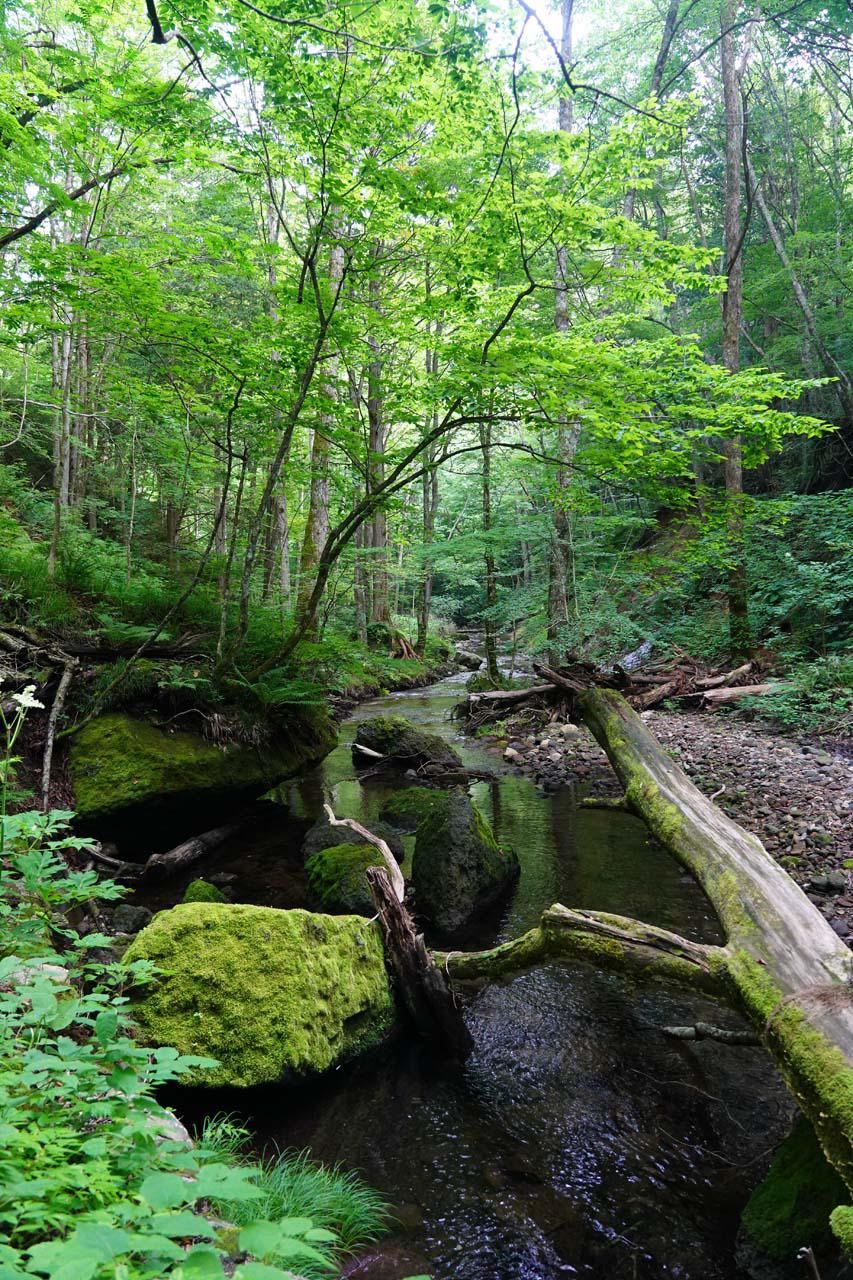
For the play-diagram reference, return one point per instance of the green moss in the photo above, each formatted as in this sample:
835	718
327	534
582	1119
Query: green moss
203	891
841	1223
116	761
792	1206
271	995
790	861
408	808
847	864
337	878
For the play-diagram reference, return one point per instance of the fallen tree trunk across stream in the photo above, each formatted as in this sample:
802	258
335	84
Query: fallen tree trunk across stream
782	965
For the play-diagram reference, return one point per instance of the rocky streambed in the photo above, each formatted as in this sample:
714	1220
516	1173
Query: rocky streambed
794	794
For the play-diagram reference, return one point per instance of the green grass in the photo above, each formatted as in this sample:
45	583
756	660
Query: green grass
292	1185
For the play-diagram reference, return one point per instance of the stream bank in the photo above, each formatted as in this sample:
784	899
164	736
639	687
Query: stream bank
797	796
578	1140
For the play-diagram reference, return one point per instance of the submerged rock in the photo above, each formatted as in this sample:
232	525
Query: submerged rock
272	995
458	866
337	879
408	808
791	1207
323	835
398	739
117	760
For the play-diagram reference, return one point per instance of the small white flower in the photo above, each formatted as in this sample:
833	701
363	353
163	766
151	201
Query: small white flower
26	701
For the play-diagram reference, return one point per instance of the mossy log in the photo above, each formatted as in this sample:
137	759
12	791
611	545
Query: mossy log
781	964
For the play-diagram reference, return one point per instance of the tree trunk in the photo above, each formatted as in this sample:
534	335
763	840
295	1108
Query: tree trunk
489	620
740	638
560	550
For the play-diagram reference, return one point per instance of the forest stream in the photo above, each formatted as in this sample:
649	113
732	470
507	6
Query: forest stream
578	1140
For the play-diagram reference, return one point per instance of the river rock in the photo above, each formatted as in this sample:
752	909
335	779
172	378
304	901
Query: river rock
337	878
458	867
127	918
471	661
323	835
399	740
117	760
271	995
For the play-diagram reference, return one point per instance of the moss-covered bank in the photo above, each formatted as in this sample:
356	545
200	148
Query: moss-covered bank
116	761
272	995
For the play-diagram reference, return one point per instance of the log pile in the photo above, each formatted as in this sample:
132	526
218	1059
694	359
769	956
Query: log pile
683	680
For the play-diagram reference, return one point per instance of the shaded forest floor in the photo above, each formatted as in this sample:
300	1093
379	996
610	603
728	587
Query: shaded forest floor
795	794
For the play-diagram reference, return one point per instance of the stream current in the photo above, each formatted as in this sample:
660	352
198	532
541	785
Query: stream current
578	1140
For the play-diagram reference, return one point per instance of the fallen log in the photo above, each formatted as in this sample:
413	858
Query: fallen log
162	865
715	697
782	964
422	987
714	682
508	697
653	696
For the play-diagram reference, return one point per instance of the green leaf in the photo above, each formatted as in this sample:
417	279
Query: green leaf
167	1190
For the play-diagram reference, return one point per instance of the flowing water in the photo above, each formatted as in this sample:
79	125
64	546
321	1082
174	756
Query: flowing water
578	1140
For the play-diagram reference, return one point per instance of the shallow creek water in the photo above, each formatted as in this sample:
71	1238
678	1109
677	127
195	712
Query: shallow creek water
578	1140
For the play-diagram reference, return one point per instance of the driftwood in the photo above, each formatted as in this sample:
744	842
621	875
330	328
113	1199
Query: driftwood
714	682
162	865
422	987
395	875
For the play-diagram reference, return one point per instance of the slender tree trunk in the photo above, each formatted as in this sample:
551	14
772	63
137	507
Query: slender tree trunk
429	504
489	620
317	524
62	448
379	611
567	441
842	385
740	638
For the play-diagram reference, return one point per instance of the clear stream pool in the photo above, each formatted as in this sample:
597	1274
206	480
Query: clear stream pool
578	1140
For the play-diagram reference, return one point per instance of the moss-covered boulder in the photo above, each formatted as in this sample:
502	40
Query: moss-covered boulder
408	808
458	867
401	741
272	995
325	836
203	891
337	878
791	1207
117	760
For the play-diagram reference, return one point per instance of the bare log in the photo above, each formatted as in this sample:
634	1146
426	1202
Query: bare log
509	697
162	865
653	696
422	987
714	682
707	1031
714	697
395	875
782	963
566	684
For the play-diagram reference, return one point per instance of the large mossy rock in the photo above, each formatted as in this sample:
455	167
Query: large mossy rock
272	995
116	761
323	835
791	1207
398	739
337	878
458	867
408	808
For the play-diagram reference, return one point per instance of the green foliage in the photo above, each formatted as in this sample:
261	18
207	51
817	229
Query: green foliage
817	696
294	1186
95	1182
